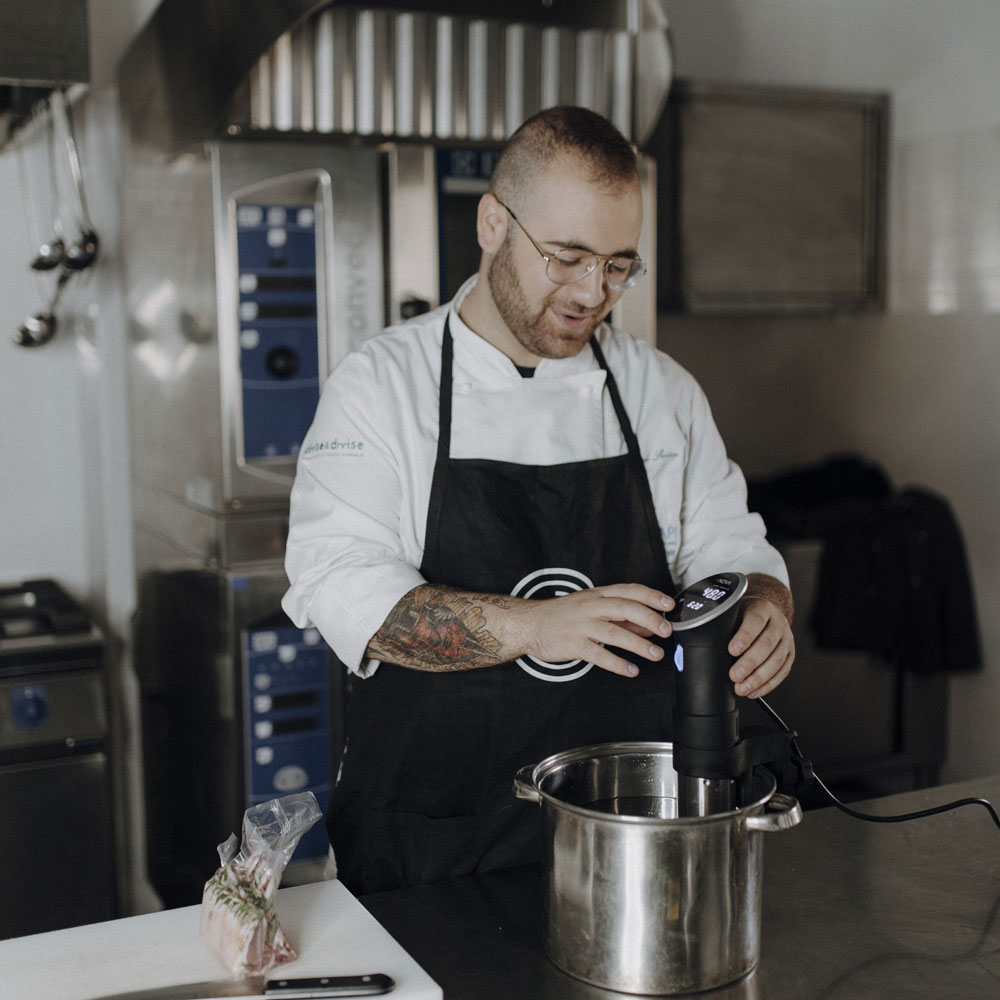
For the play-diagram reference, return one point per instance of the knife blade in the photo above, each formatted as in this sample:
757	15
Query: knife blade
370	984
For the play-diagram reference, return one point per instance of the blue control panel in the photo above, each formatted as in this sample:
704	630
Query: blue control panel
289	722
278	324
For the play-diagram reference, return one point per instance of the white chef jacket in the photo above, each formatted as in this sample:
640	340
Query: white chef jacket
359	501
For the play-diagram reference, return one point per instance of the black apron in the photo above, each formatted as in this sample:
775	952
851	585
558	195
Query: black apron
425	791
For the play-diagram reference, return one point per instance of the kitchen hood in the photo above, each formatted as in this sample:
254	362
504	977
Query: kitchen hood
414	68
42	45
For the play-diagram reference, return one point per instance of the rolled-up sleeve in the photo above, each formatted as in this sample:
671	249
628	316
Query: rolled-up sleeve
345	557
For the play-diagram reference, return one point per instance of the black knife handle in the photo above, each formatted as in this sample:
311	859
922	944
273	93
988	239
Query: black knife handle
330	986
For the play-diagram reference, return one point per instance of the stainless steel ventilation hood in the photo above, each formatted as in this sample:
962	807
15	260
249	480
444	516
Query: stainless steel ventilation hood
202	68
42	45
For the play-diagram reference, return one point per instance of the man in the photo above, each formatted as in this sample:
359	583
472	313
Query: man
491	512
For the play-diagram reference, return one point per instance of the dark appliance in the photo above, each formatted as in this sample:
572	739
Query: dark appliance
57	853
238	707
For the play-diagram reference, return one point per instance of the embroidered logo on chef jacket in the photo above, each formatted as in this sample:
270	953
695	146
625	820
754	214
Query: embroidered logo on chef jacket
546	583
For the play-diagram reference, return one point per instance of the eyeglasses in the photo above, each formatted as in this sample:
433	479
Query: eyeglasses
567	265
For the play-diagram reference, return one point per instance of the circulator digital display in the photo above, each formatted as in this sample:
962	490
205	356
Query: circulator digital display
701	600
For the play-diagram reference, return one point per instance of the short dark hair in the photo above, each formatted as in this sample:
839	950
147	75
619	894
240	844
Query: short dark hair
559	130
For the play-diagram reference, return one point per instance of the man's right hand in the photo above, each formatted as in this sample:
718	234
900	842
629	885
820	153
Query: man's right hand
582	625
437	628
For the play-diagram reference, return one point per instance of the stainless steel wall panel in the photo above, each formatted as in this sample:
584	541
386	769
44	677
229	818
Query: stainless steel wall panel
344	70
444	77
282	77
384	90
303	78
479	79
365	74
621	74
559	59
514	77
323	66
591	84
412	227
261	89
404	39
373	91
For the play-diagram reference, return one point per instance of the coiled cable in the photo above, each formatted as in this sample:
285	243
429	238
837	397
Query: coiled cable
898	818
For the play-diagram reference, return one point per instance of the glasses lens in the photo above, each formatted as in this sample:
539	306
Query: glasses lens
566	266
621	272
624	272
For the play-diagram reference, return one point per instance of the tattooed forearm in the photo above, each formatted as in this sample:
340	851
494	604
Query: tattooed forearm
437	628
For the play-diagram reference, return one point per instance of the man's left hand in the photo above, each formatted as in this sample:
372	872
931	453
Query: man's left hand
764	646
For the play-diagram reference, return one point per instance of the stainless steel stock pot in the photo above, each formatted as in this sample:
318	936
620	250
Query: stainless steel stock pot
638	899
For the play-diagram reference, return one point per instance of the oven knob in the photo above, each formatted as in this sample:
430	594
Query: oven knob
413	306
290	778
283	362
29	707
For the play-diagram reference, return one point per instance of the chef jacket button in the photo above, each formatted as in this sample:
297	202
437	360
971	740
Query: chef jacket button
463	388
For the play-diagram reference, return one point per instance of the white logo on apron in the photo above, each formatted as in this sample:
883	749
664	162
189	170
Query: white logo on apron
545	583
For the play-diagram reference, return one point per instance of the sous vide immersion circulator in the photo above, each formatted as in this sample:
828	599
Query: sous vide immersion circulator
706	720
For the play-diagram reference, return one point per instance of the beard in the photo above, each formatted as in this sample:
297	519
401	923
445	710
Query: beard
538	331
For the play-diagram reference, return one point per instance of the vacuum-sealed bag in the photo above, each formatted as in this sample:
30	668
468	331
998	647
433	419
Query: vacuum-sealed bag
238	920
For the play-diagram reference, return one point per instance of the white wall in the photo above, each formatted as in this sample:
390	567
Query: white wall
917	388
64	485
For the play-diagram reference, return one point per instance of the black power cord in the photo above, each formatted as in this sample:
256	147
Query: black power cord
807	768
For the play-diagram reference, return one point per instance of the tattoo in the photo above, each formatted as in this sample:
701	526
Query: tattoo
761	585
439	628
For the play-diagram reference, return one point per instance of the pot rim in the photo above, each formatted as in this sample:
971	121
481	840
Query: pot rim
538	772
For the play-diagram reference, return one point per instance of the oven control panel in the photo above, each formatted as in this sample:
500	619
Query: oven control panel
290	730
278	326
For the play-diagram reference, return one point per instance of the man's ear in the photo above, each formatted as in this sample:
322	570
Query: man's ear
491	223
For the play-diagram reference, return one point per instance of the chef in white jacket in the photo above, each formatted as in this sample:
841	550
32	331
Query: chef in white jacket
492	508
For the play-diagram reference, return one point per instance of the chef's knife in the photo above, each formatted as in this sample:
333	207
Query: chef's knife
371	984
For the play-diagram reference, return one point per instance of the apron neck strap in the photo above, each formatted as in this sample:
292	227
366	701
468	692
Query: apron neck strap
616	401
444	401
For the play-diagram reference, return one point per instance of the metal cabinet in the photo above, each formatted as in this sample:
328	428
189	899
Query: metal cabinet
771	199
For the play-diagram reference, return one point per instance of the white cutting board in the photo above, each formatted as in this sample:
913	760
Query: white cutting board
332	933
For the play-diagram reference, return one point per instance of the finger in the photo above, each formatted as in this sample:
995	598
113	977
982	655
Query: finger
755	669
606	659
637	629
622	611
753	625
612	634
772	682
641	594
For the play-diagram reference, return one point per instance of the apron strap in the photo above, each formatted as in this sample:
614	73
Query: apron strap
638	467
631	442
436	500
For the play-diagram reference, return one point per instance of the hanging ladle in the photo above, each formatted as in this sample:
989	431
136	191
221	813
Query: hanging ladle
51	253
83	252
41	328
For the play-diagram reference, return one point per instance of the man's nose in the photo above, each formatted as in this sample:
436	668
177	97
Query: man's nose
591	289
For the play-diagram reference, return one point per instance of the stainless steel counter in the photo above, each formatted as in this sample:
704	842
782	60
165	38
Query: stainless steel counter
851	911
